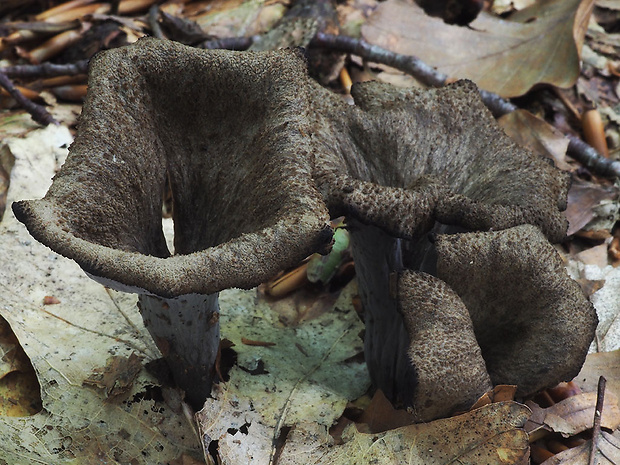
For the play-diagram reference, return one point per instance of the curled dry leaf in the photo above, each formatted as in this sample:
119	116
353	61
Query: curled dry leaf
500	393
491	435
607	453
573	415
537	135
583	199
381	416
544	40
7	160
597	363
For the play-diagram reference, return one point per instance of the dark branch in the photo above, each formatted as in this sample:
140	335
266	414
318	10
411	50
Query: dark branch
45	70
154	23
429	76
406	63
38	113
228	43
598	411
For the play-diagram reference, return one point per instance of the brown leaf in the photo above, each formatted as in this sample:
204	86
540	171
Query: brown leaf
537	135
608	453
602	363
573	415
117	376
582	198
500	393
20	392
381	415
539	44
7	160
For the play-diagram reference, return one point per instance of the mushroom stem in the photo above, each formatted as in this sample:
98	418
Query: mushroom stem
187	332
420	346
377	255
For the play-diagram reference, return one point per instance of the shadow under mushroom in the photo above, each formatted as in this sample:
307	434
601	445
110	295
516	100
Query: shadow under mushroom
259	157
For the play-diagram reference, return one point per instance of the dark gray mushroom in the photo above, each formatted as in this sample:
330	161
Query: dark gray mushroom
259	156
230	132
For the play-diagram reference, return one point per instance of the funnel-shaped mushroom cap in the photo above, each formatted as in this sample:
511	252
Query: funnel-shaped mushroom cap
405	158
533	323
229	129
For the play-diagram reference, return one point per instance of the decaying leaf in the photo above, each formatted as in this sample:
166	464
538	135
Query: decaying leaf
537	135
607	453
232	18
117	376
573	415
539	44
381	416
607	363
19	388
492	435
7	160
68	341
607	306
583	200
307	376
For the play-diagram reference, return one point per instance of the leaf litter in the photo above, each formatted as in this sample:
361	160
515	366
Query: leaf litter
497	54
305	438
73	339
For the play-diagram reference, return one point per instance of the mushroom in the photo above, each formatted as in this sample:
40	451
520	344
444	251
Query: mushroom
259	157
229	130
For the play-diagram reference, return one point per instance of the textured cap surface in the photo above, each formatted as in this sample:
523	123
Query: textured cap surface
230	130
532	321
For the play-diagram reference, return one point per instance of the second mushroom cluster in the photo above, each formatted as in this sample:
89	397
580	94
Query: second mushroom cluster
451	222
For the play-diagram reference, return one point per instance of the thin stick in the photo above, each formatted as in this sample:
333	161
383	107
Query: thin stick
154	23
409	64
429	76
228	43
38	113
45	70
598	411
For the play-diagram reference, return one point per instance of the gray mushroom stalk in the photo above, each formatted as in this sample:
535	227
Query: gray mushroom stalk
450	221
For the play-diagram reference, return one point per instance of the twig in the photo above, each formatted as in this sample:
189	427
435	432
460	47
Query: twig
589	157
38	113
228	43
153	22
406	63
598	411
429	76
46	70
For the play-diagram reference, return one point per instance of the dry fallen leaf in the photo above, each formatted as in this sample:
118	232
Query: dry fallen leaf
537	135
68	341
117	376
500	393
573	415
380	415
607	453
19	388
539	44
583	198
232	18
602	363
491	435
